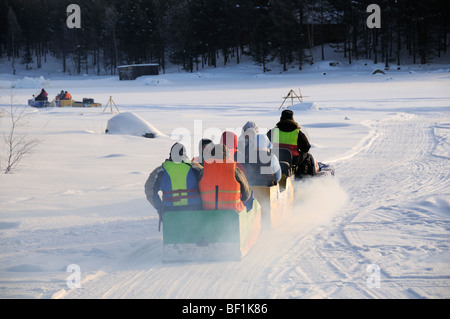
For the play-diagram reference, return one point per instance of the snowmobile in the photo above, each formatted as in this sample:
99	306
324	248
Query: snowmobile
314	170
38	104
206	235
317	170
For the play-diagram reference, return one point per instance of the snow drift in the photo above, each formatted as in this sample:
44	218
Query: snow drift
31	83
129	123
304	106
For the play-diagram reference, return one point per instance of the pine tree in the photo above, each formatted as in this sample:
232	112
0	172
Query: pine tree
14	34
27	58
260	42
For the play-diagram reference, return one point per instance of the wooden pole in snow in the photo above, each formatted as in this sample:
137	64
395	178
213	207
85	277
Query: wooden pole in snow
110	103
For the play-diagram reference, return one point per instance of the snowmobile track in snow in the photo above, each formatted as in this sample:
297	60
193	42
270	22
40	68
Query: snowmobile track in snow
400	169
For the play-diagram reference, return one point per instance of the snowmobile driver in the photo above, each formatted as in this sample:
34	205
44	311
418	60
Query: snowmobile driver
287	134
43	96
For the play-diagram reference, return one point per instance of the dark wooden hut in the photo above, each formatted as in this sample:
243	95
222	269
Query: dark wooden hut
131	72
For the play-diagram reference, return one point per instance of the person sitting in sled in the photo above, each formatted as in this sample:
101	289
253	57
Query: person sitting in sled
262	167
246	139
43	96
230	140
66	96
204	142
60	96
222	184
177	178
288	134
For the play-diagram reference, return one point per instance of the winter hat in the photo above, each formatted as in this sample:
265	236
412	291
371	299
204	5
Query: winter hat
203	142
249	132
287	115
177	153
216	153
229	139
248	125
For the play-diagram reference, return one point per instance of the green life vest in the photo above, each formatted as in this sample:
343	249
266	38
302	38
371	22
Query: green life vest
282	139
179	185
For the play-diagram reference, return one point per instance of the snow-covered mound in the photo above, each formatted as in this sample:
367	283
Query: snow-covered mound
31	83
304	106
129	123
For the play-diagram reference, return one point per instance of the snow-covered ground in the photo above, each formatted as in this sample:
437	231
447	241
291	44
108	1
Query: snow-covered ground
380	229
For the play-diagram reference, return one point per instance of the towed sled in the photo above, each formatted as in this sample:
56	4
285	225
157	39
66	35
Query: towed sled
87	102
38	104
62	103
276	201
206	235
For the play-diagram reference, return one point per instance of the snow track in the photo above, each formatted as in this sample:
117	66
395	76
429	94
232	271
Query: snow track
401	165
399	180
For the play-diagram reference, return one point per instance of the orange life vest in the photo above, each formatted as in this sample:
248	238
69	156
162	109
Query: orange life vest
218	186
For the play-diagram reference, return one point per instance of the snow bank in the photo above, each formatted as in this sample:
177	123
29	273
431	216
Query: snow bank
304	106
129	123
31	83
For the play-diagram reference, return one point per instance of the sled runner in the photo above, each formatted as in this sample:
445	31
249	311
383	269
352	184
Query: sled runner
210	234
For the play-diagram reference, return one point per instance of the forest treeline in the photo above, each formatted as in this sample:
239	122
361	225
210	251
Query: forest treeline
206	33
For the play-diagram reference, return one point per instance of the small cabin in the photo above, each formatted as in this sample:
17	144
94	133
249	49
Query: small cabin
133	71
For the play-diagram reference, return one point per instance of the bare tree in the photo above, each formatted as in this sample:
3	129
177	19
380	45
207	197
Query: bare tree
16	144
